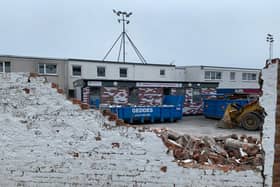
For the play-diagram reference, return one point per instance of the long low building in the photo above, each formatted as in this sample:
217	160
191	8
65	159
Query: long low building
119	83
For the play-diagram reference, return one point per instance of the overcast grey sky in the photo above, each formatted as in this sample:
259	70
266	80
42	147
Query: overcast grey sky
186	32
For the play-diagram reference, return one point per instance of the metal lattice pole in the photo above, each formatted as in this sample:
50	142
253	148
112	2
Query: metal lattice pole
124	20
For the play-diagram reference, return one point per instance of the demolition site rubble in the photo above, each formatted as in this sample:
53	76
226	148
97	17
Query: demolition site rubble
223	152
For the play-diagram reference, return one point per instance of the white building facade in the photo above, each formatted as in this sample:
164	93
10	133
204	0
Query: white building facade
227	77
118	83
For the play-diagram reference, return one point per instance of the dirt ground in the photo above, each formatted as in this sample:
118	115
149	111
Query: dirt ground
201	126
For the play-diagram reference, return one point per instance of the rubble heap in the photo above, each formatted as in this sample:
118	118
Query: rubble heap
225	152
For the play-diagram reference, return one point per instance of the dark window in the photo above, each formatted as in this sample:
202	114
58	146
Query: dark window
5	67
196	96
101	71
180	91
123	72
71	93
249	76
76	70
232	76
162	72
212	75
218	75
133	96
51	68
47	69
41	68
166	91
207	75
1	67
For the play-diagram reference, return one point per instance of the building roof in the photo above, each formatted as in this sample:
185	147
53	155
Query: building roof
83	60
31	57
220	67
116	62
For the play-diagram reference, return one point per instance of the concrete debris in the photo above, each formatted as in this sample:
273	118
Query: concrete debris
163	169
226	152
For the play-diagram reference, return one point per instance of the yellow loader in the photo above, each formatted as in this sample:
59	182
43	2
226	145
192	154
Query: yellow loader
250	116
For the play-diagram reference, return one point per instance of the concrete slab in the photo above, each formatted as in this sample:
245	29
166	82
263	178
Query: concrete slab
201	126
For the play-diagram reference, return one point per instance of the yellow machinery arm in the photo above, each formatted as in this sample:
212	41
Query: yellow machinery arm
250	116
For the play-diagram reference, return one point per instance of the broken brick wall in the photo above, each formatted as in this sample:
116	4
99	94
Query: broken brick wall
270	133
276	165
41	148
114	95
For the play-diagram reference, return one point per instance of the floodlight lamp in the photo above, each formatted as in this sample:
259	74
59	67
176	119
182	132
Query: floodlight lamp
114	11
127	22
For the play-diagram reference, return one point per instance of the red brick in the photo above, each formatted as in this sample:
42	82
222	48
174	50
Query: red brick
276	184
277	128
276	172
277	118
113	117
54	85
163	169
33	74
84	106
120	122
27	90
277	156
115	144
76	101
277	147
59	90
277	138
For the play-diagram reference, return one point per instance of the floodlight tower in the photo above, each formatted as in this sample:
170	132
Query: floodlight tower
124	21
123	18
270	40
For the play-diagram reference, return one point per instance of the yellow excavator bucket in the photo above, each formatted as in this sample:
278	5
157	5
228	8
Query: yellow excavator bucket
227	122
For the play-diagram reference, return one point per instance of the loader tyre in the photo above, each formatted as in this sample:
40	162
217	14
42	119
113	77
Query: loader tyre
251	122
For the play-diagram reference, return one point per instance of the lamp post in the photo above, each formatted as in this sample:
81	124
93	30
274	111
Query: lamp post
123	18
270	40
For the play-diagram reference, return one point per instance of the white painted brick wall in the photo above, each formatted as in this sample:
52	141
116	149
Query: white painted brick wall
39	152
269	101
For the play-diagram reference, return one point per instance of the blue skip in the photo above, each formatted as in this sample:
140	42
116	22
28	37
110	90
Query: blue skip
214	105
171	110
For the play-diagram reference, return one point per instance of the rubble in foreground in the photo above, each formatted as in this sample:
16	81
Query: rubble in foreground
224	152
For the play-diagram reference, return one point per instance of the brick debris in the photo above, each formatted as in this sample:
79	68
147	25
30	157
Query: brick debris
223	152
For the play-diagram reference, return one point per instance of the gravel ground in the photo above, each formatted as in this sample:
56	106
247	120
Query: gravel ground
201	126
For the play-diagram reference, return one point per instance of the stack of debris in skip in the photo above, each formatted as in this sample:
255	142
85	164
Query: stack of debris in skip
226	152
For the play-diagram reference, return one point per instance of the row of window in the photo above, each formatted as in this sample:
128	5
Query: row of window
101	71
5	67
216	75
51	69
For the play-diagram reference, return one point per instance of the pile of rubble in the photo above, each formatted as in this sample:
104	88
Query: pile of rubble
226	152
